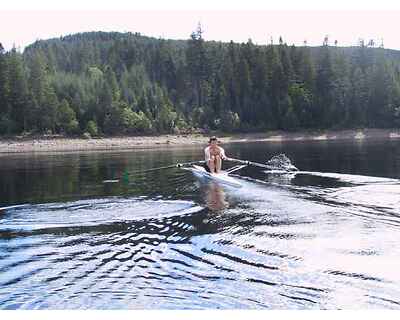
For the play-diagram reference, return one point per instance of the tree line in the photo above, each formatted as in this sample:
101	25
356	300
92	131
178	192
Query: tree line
124	83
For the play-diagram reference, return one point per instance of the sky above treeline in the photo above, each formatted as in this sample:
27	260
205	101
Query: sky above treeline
23	22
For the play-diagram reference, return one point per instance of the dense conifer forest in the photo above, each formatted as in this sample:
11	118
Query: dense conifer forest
100	83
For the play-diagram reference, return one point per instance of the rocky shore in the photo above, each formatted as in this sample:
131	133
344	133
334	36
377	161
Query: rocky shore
46	144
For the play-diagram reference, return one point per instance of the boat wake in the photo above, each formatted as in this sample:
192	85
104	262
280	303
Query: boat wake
91	213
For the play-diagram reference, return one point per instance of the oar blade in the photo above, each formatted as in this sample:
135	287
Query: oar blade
111	181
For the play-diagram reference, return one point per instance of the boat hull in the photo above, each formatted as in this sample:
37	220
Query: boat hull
221	177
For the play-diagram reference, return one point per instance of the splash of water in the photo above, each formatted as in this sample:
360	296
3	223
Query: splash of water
281	162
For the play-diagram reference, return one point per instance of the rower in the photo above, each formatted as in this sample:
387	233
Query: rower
214	155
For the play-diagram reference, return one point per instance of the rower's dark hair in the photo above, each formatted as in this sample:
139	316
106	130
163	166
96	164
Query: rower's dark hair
213	138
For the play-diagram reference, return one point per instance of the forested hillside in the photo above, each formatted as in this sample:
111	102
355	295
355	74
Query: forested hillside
125	83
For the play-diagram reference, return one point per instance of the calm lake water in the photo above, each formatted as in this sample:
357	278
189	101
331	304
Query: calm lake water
325	238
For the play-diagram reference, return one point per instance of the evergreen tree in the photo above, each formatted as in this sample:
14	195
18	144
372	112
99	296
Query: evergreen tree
18	93
67	118
245	85
380	107
359	99
198	67
324	85
44	115
127	83
4	84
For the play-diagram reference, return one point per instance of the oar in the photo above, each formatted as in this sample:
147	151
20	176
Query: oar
127	174
247	162
251	163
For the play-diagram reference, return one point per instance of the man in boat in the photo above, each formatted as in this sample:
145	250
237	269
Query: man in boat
214	155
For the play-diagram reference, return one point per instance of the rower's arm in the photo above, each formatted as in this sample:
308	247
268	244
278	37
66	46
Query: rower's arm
223	155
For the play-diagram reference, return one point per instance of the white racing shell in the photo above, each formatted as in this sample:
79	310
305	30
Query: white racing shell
221	177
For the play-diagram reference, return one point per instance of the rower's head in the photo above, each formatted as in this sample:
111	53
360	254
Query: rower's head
213	140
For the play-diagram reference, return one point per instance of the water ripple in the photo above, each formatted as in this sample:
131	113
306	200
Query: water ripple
268	246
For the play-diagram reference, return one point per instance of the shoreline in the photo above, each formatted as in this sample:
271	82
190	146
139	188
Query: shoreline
59	144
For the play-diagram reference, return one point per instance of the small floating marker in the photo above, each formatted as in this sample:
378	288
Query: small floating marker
125	177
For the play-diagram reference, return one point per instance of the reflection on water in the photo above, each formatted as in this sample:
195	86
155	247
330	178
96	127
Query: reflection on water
322	238
215	197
